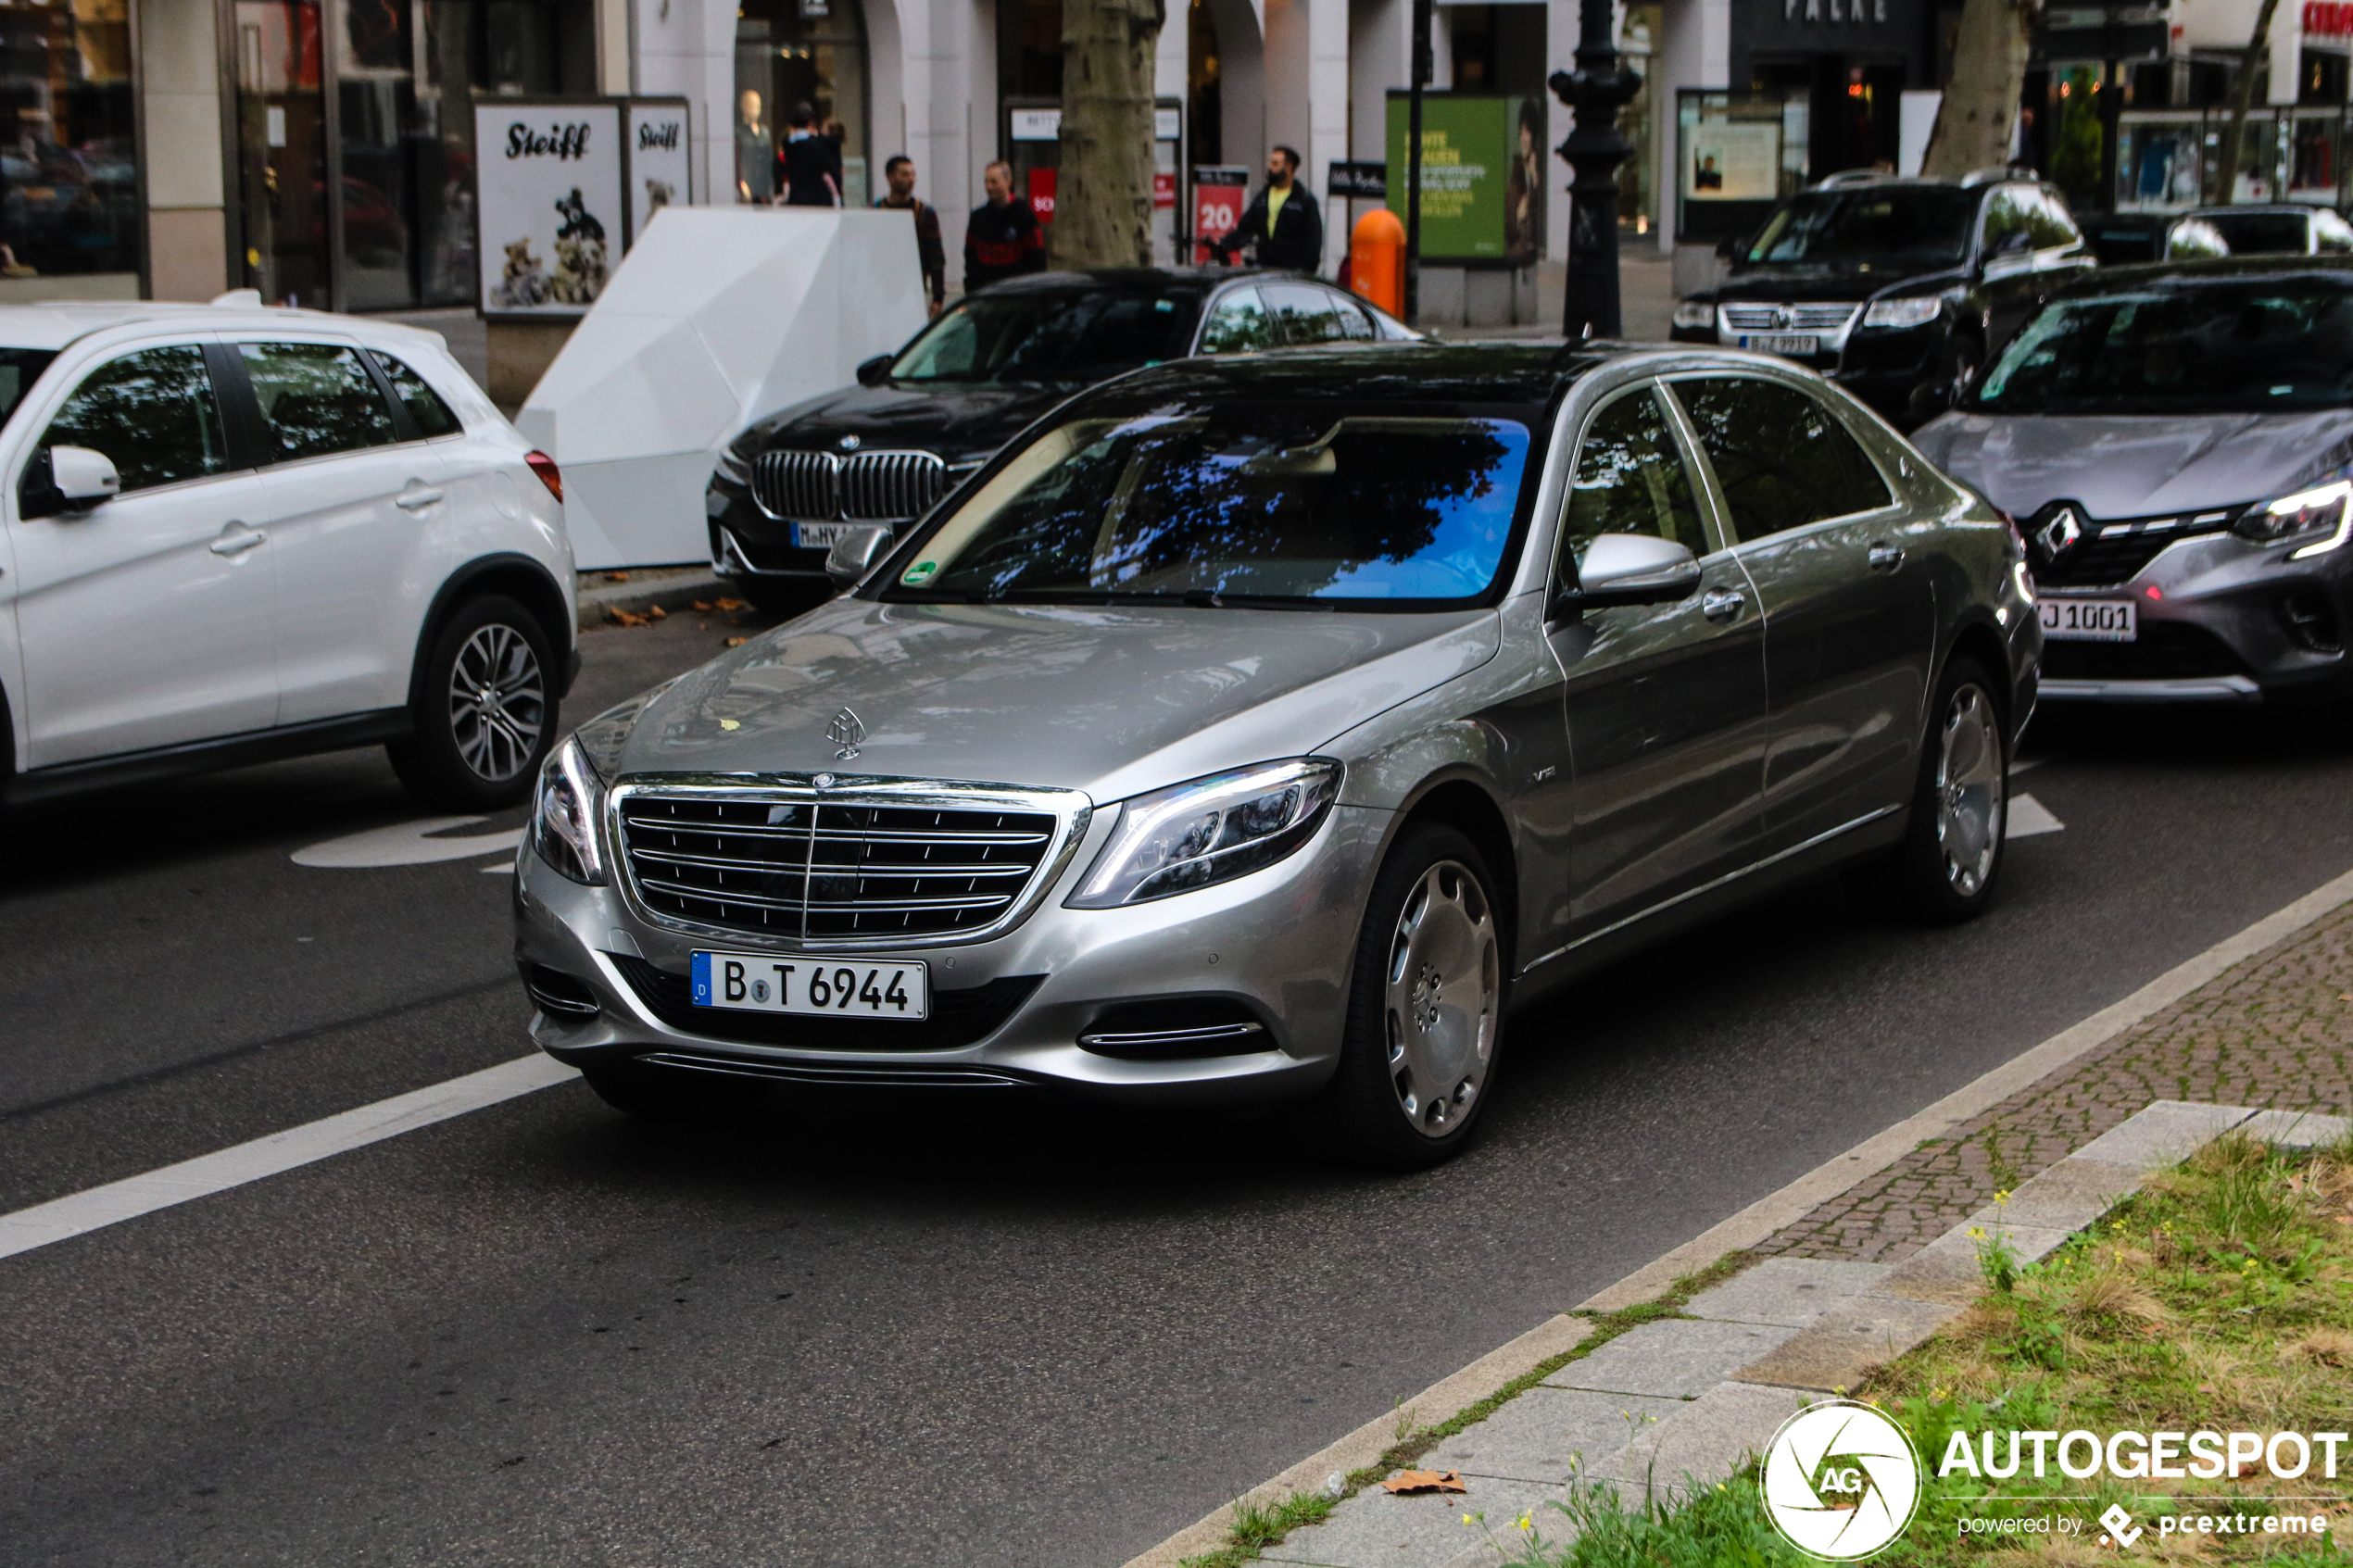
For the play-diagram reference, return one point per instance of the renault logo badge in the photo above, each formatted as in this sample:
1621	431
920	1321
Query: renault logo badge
845	731
2062	534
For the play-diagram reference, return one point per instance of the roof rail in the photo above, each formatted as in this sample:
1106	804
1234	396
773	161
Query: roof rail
1851	177
1995	173
240	299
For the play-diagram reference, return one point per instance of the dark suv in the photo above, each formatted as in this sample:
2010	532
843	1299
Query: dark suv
1898	290
921	420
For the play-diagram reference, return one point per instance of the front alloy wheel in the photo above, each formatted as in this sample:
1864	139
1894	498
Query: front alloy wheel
1443	985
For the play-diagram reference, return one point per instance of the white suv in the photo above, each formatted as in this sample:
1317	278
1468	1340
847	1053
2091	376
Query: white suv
236	533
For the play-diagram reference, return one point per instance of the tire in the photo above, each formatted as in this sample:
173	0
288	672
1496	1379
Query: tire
1958	365
1945	868
485	712
665	1094
1425	1011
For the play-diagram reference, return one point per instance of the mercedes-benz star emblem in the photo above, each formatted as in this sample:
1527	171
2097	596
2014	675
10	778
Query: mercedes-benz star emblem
845	731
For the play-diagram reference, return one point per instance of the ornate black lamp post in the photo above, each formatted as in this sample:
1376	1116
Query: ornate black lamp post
1594	149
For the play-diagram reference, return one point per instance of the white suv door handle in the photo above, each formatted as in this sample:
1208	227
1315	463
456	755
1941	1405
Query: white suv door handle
236	539
416	501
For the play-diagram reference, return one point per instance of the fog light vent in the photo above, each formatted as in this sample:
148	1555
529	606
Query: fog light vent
2312	622
561	994
1176	1027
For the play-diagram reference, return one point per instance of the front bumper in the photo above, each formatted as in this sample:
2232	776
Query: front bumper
747	542
2220	621
1276	944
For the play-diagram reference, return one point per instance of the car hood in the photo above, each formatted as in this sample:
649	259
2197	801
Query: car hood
1795	284
956	421
2136	465
1111	701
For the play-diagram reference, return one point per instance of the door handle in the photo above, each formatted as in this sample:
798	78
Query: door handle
236	539
1722	604
1885	557
416	501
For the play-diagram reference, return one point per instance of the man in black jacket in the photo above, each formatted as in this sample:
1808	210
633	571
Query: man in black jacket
1284	220
1001	238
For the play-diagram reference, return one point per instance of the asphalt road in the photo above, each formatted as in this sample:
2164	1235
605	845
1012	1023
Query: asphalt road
893	1330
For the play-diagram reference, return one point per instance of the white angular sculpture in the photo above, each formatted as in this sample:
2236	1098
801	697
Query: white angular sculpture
716	317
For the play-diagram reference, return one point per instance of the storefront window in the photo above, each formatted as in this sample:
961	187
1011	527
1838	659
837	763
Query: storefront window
794	52
405	75
68	175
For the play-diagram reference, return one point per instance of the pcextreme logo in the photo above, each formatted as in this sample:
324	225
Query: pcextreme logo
1840	1480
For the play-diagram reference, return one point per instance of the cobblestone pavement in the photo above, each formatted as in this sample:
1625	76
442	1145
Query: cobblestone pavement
2272	1033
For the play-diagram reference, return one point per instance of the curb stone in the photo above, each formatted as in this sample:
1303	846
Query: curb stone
671	588
1850	1320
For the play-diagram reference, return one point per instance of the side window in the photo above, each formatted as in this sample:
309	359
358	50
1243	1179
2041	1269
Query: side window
424	404
1239	324
316	398
2048	222
2005	232
1305	312
152	412
1355	325
1780	457
1631	479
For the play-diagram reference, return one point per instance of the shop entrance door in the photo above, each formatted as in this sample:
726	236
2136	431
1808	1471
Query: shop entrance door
281	151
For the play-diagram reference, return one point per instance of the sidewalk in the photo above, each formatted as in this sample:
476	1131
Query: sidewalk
1861	1277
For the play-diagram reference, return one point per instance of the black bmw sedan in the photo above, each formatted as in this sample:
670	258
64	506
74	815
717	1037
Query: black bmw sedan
921	420
1898	290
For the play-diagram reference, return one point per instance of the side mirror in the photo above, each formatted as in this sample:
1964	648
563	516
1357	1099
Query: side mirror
1631	569
83	478
855	551
874	371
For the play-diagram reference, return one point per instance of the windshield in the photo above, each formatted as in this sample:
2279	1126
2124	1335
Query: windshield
2260	233
1261	502
1051	335
2258	345
1921	224
19	368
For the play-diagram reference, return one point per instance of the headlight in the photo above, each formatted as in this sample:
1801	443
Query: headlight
563	815
1902	312
1694	313
2321	510
733	469
1210	830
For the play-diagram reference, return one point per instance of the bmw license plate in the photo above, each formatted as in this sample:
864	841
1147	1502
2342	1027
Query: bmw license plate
1781	343
817	535
796	983
2091	621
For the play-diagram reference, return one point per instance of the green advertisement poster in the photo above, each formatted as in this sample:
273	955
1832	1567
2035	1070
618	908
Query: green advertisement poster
1482	176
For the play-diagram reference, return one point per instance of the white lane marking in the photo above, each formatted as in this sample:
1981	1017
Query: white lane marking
134	1196
406	843
2028	816
2023	763
506	866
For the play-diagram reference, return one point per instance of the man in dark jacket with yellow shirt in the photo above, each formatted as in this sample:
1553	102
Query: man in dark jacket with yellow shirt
1283	221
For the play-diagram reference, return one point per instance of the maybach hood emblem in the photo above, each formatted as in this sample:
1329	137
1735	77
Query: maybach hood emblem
845	731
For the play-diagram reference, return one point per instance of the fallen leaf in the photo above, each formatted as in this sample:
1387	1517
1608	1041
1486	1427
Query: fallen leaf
733	604
623	618
737	641
616	577
705	606
656	612
1424	1481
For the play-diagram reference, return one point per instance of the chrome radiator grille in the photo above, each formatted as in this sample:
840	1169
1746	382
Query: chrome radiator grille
1831	319
866	487
797	866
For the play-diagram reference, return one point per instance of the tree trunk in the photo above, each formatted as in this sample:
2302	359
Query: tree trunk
2242	98
1979	116
1103	194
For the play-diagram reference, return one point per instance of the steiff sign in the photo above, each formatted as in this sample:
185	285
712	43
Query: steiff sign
550	202
660	165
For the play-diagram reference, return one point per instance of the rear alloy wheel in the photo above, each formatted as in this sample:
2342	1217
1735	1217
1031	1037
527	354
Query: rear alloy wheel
1425	1010
485	713
1945	870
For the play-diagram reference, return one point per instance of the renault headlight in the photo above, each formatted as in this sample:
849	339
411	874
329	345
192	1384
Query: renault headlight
1210	830
1694	314
1902	312
563	815
2320	511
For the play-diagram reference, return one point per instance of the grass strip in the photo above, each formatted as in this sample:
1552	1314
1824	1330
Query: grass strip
1254	1528
2218	1297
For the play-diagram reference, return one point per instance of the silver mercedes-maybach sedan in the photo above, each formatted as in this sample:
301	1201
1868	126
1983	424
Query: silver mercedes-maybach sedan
1268	729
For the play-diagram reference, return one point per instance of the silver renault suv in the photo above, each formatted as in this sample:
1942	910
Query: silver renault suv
1268	729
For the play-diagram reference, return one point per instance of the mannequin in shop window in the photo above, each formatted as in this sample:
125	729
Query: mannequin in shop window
755	152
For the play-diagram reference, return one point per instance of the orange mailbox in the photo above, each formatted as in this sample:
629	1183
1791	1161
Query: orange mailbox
1376	260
